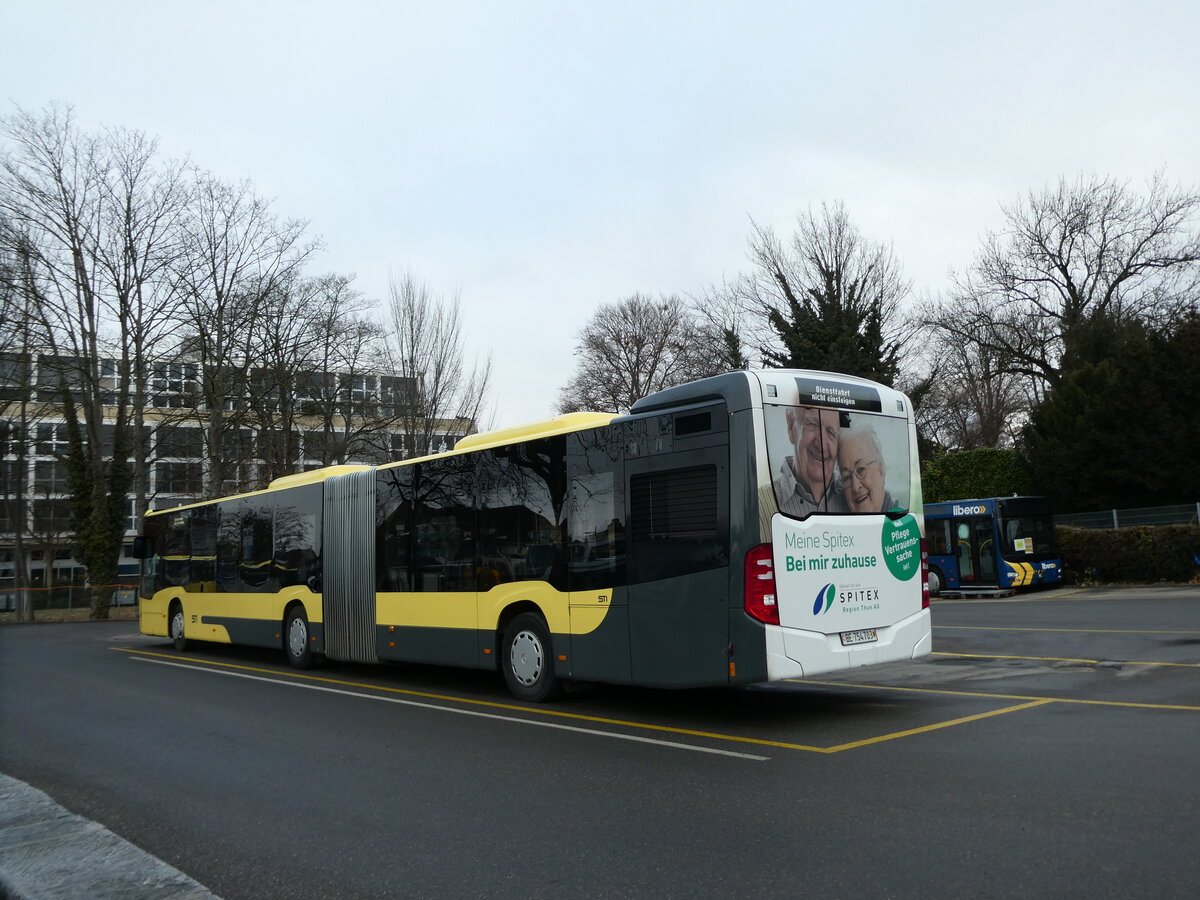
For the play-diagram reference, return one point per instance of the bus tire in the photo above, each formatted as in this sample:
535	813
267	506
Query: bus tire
936	581
527	659
297	643
175	622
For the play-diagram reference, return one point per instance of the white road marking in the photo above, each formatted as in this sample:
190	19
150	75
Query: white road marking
463	712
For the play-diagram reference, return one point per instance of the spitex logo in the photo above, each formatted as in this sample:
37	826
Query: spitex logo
824	599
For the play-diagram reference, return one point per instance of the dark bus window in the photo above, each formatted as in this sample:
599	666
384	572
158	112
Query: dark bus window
1027	538
229	546
595	532
939	537
521	514
204	549
674	523
258	549
177	555
155	530
298	534
444	525
393	531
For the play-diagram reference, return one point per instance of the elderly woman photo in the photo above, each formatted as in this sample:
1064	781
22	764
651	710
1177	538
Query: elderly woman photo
863	471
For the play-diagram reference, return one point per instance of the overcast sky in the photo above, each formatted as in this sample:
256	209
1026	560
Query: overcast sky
541	158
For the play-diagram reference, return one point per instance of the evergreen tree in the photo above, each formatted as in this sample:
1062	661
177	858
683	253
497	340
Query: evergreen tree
1120	430
830	297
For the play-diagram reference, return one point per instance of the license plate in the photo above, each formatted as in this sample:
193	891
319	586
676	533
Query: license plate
859	637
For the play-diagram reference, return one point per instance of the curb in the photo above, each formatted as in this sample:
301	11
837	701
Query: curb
48	853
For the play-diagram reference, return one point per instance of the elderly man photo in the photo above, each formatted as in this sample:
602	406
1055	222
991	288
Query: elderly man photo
807	476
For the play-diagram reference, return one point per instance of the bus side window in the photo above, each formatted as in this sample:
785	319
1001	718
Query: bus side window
229	547
155	531
297	535
595	530
939	538
393	532
966	569
177	559
520	521
444	525
258	545
204	549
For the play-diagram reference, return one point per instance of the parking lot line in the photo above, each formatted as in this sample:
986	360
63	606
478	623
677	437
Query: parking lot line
675	745
1069	630
284	676
289	677
1039	598
991	696
924	728
1124	662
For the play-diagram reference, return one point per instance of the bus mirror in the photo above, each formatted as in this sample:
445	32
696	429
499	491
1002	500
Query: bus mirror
141	547
897	512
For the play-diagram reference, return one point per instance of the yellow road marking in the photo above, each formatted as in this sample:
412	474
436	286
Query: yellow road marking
492	704
1036	599
1124	662
1028	702
991	696
381	697
935	727
1070	630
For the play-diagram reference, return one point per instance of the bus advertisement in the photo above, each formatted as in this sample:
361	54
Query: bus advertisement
998	542
750	527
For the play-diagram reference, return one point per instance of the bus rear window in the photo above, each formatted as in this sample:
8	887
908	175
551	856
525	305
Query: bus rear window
830	460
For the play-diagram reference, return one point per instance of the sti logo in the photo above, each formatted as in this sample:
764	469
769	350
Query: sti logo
824	599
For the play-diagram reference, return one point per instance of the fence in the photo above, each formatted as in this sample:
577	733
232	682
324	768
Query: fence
64	596
1184	514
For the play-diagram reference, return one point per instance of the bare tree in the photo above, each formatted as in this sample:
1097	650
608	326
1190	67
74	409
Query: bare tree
87	219
144	202
318	358
20	413
235	256
353	423
723	324
285	344
828	299
1070	256
441	399
633	348
971	402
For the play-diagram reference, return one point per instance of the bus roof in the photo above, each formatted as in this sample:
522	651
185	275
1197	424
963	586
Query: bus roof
564	424
744	388
1014	505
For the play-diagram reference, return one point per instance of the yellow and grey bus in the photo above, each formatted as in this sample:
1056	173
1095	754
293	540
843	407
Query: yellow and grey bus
750	527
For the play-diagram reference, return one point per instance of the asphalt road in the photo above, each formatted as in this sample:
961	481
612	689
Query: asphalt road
1050	747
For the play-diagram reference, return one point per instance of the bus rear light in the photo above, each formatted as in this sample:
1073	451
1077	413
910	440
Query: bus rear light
924	574
759	592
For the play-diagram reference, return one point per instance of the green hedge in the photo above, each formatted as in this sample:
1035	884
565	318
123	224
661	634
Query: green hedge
967	474
1144	553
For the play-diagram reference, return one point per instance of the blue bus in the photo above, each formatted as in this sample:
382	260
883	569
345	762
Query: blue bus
999	542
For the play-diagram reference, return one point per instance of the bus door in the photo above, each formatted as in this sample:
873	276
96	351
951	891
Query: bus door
975	549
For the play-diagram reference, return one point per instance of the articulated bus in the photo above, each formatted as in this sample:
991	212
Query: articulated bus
999	542
750	527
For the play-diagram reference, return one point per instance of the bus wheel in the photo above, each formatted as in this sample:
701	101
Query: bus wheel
527	660
296	641
175	624
935	581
